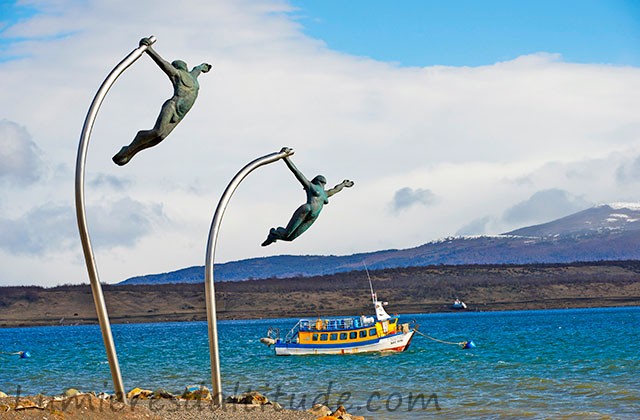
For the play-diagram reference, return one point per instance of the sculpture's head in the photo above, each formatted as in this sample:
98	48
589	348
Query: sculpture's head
319	180
179	64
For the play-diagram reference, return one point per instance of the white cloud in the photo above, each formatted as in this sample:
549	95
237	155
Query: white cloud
482	138
52	227
629	172
545	206
19	156
475	227
407	197
110	181
43	229
123	222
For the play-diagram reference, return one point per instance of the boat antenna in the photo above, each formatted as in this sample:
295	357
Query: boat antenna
373	295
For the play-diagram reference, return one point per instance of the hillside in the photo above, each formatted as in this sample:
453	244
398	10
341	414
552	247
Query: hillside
603	233
408	290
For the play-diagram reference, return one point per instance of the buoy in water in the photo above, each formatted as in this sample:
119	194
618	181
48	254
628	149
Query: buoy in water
469	345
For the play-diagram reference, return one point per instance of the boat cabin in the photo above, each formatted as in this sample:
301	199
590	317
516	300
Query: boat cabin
340	330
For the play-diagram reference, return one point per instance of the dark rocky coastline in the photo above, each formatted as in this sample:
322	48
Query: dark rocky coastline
408	290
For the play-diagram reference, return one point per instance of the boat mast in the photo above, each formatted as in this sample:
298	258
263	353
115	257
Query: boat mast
373	295
381	314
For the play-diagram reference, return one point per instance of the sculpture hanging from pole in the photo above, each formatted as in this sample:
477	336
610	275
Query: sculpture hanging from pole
83	146
210	295
185	91
306	214
173	110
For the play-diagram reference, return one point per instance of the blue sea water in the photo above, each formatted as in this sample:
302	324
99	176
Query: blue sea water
539	364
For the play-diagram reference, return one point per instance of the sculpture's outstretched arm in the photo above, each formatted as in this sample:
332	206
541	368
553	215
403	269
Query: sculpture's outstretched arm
344	184
202	68
161	62
299	175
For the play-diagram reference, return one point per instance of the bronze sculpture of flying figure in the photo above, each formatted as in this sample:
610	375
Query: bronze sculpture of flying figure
307	213
185	92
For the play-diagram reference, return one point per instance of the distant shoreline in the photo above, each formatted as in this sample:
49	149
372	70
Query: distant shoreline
408	290
496	307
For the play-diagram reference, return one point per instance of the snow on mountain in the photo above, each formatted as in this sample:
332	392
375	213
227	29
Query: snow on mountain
605	232
621	205
601	218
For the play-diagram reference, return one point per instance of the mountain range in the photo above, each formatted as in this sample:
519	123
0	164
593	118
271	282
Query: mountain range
606	232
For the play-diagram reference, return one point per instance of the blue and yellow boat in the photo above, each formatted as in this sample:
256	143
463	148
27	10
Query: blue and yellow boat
379	333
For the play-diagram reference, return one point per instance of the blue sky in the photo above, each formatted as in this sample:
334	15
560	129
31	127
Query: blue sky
473	33
457	33
452	118
10	14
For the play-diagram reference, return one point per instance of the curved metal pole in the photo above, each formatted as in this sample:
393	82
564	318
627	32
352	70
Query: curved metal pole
208	274
96	289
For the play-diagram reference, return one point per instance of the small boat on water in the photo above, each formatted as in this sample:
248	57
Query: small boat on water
458	304
379	333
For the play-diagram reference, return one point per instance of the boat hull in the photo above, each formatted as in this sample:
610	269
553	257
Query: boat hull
394	343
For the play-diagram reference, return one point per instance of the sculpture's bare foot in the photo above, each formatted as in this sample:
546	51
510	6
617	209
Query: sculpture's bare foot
121	158
271	238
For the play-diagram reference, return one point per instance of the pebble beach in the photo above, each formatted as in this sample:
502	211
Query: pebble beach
39	408
148	405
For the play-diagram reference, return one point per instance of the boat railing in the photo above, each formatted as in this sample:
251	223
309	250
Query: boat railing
273	333
337	324
340	324
294	331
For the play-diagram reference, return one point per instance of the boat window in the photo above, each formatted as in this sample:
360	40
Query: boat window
314	337
323	337
363	333
333	336
353	334
343	336
372	332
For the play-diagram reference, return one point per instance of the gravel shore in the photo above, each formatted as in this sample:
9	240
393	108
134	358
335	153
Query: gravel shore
195	403
232	412
88	406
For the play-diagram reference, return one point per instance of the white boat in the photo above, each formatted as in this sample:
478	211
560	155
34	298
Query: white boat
458	304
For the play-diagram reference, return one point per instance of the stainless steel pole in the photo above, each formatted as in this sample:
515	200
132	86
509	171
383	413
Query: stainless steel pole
96	288
211	251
